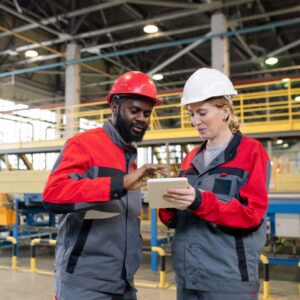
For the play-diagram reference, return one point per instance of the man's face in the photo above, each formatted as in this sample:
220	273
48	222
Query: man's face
133	118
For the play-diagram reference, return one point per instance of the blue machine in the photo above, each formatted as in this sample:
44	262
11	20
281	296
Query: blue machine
34	213
287	205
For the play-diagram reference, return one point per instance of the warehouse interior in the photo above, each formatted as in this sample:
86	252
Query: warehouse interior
58	60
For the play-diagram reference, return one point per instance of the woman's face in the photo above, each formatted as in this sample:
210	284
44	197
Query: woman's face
208	119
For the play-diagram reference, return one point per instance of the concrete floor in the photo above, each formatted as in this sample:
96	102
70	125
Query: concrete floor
30	286
284	284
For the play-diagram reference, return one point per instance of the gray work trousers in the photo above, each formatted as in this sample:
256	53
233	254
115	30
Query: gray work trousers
188	294
72	292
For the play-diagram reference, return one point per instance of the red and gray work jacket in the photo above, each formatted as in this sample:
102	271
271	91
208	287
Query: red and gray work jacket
217	240
98	244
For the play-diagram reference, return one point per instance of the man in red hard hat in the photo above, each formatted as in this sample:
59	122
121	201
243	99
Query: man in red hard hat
136	88
95	187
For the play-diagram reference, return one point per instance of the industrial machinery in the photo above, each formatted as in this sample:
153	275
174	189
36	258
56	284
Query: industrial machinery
22	214
284	228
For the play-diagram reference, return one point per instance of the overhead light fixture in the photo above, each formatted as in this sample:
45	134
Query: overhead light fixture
11	52
93	50
285	145
285	79
286	85
297	98
31	53
271	61
158	76
150	28
279	142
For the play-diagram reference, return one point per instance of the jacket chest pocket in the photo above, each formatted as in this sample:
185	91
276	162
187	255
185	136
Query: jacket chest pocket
222	186
227	183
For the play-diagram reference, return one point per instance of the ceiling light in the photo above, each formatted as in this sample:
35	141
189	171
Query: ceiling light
31	53
271	61
285	79
11	52
150	29
297	98
285	145
279	142
158	76
286	85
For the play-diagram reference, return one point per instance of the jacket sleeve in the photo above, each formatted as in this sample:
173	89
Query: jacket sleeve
247	213
71	188
168	216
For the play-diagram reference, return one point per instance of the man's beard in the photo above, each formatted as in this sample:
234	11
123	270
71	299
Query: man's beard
125	130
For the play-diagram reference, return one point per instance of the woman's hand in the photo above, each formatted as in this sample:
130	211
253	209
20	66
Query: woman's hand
138	177
182	198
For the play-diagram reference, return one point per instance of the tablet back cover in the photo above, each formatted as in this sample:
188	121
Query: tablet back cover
157	187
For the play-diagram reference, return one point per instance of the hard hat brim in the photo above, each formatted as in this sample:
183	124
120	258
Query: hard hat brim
155	100
199	99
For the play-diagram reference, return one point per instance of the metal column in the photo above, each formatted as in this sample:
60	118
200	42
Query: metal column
220	46
72	89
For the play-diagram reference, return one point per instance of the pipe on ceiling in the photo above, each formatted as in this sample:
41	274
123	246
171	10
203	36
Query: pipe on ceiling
153	47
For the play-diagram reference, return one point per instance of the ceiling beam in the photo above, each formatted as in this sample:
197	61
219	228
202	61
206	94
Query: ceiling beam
61	17
245	46
265	15
96	48
259	28
285	48
178	55
277	36
29	20
65	37
178	4
147	37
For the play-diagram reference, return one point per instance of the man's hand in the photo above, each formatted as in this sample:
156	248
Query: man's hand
138	178
182	198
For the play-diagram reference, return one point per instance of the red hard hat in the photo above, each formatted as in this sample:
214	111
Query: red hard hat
136	83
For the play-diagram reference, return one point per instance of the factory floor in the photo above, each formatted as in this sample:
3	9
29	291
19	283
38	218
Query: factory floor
25	285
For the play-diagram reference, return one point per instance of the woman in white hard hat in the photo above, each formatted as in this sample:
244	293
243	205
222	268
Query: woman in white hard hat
220	223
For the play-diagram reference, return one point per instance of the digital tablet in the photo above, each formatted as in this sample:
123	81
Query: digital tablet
157	187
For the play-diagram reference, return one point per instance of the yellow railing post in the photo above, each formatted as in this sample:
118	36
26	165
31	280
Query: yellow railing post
299	283
162	281
241	109
14	251
182	125
266	283
152	120
33	243
259	105
290	102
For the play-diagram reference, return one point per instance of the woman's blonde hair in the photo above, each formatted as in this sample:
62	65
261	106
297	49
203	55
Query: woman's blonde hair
232	120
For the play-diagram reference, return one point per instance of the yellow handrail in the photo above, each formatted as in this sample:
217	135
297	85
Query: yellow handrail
268	102
162	253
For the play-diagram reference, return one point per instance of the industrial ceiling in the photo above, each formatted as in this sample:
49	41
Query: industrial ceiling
112	41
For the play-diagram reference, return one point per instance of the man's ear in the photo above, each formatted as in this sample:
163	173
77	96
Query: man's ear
114	108
114	112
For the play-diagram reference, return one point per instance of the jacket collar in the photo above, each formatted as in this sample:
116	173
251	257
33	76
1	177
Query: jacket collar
228	154
116	137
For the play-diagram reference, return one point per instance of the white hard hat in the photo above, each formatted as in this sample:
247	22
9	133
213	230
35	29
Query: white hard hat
206	83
